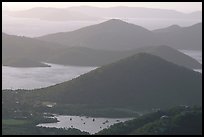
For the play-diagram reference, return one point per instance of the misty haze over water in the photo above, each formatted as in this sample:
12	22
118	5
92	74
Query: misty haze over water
31	78
35	27
101	68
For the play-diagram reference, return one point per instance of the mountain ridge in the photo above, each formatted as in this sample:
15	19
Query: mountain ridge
115	33
42	51
119	83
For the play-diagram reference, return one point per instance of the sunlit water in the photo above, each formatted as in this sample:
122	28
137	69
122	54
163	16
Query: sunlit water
31	78
88	124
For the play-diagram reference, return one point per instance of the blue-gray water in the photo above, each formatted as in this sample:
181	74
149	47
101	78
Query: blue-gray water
196	54
31	78
84	123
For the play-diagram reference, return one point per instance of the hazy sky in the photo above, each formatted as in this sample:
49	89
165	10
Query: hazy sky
179	6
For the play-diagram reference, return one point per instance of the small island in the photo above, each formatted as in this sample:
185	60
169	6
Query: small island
24	62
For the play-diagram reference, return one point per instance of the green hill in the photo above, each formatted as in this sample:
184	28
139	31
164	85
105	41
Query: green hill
142	81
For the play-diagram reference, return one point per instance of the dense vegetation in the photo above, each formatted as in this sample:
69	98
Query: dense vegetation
21	118
22	105
31	129
181	120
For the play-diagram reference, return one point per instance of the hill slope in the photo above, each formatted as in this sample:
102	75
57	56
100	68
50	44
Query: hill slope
143	81
110	35
40	51
184	38
116	34
180	120
24	62
91	57
172	55
168	29
21	51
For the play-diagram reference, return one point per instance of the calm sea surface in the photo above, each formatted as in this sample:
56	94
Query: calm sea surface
88	124
31	78
196	54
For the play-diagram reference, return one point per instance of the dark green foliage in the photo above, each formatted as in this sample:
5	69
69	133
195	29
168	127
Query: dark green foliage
20	104
187	121
33	130
127	127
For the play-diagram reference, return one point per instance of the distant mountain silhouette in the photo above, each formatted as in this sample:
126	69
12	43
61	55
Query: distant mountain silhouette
168	29
24	62
94	13
196	14
135	12
172	55
142	81
52	14
17	48
91	57
116	34
184	38
113	34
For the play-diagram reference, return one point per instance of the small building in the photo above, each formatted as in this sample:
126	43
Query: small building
164	117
